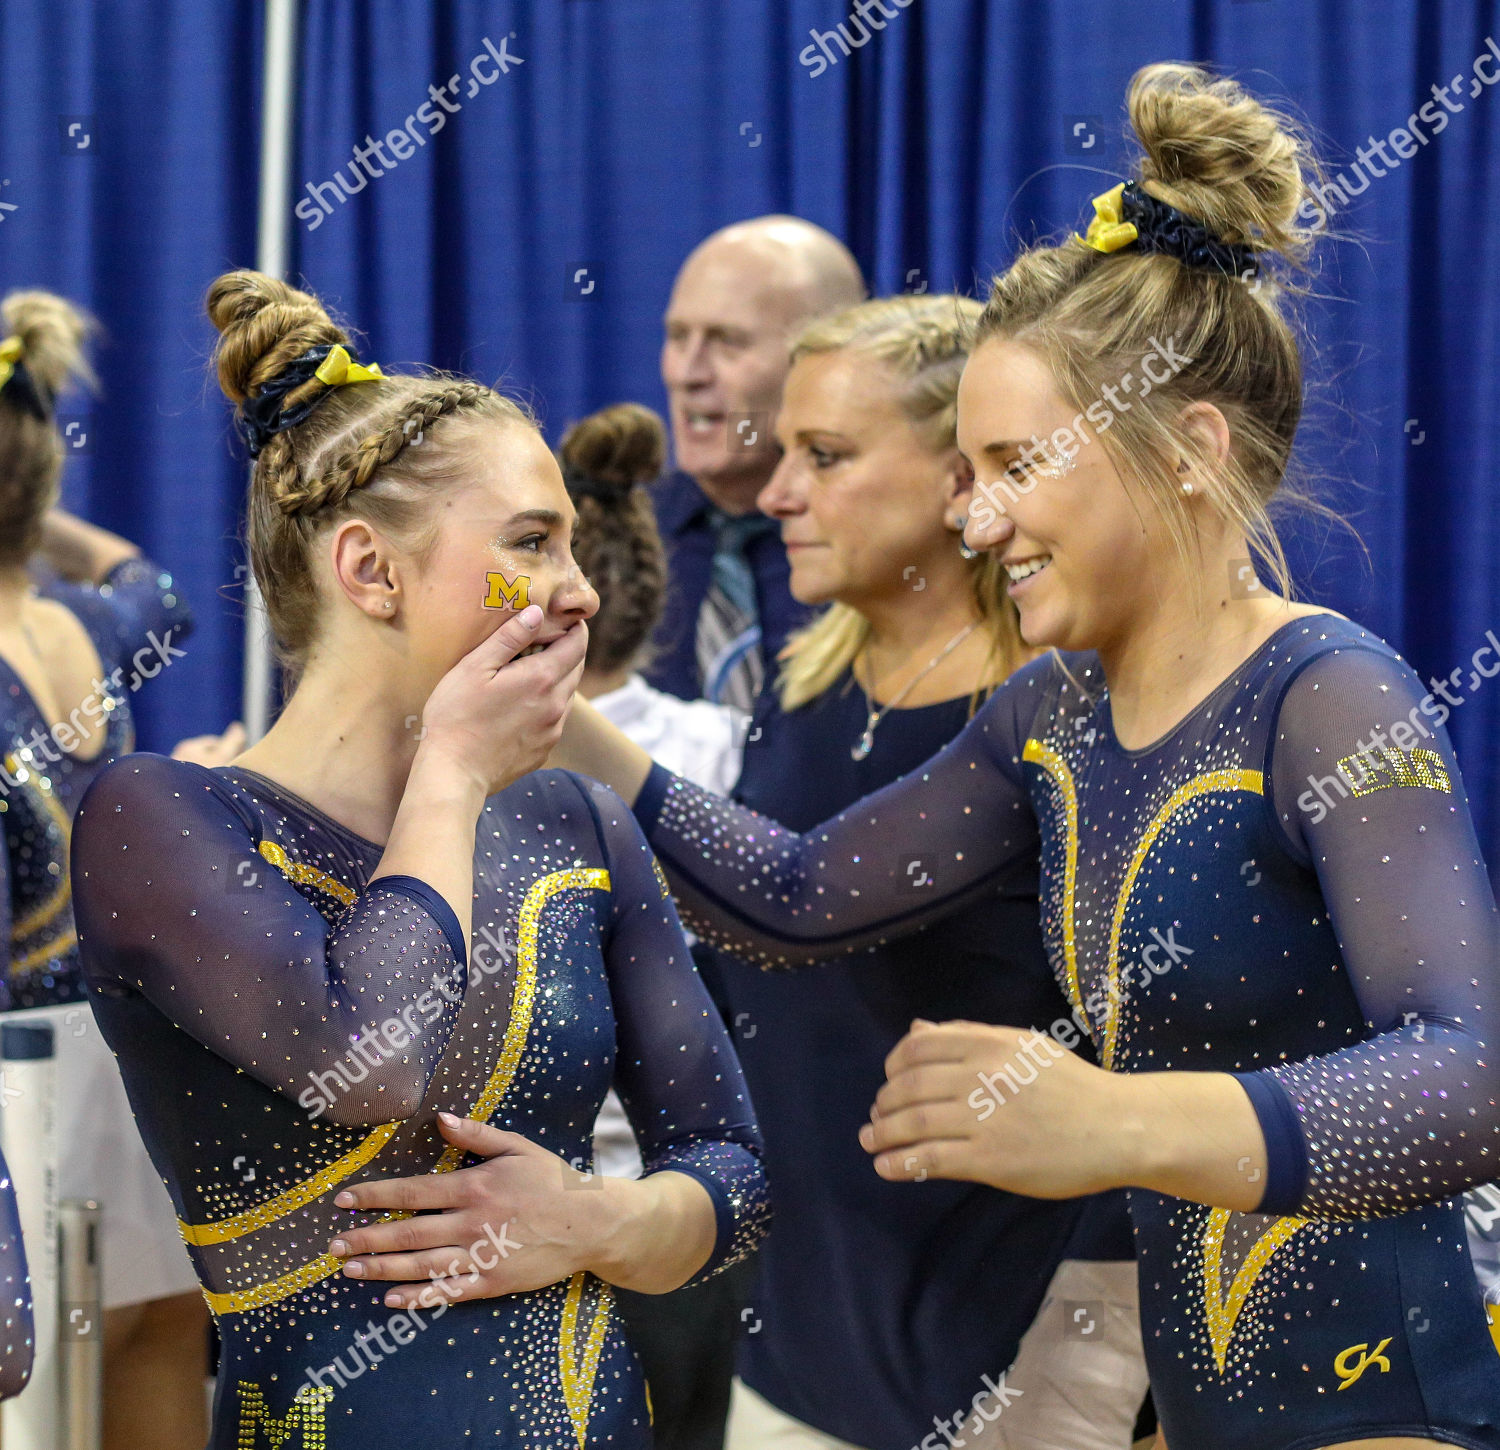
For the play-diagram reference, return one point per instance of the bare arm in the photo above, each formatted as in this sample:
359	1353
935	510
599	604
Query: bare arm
593	747
81	551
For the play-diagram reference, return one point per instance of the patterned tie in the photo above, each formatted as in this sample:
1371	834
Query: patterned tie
728	639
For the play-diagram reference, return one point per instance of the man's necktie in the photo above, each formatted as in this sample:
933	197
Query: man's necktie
730	666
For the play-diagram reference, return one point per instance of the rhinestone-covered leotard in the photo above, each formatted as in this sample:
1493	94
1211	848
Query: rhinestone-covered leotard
287	1027
1286	887
136	621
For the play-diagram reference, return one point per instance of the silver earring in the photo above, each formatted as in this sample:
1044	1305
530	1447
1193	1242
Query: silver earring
964	551
389	605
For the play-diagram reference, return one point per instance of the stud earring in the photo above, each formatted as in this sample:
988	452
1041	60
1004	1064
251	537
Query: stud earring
964	551
1187	488
389	605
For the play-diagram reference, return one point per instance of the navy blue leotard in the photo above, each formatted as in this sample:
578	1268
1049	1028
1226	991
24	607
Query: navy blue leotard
1287	887
17	1340
285	1027
136	620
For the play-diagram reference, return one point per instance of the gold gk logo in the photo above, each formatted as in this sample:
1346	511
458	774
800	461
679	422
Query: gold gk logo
1348	1373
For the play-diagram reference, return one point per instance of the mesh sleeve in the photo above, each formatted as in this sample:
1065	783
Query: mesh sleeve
675	1070
957	829
136	617
17	1341
1368	793
174	901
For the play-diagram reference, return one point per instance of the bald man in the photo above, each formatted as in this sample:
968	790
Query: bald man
738	301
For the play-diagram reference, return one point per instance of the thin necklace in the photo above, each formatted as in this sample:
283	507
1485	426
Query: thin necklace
866	742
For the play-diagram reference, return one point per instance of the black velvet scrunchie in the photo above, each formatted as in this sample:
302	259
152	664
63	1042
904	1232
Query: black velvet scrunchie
1161	227
261	417
24	392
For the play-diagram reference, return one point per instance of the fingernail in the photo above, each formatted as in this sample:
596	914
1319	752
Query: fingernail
394	1301
354	1269
448	1120
344	1200
531	616
338	1248
866	1138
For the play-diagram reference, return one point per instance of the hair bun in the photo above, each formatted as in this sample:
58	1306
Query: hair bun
263	325
52	332
1222	157
615	449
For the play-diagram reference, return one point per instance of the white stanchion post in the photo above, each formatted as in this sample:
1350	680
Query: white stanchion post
28	1124
273	226
80	1324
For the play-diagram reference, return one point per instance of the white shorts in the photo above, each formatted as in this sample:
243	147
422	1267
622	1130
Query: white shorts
101	1156
1077	1384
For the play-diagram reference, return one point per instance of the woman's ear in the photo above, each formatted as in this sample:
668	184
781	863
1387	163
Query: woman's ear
958	486
364	570
1208	429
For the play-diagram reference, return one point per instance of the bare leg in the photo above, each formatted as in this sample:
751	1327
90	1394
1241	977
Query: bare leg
155	1362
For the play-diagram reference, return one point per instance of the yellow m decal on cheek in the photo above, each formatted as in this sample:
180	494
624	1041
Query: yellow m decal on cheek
504	593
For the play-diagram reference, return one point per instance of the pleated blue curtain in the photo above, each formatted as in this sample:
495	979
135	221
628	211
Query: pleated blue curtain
532	236
129	139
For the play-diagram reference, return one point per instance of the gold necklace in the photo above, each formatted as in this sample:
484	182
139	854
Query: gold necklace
866	742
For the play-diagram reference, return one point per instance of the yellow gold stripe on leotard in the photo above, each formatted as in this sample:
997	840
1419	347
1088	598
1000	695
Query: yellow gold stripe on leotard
227	1229
1221	1313
578	1379
305	875
522	999
48	910
1214	780
44	953
268	1292
1057	768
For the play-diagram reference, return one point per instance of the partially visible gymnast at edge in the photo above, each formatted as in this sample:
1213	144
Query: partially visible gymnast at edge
1287	988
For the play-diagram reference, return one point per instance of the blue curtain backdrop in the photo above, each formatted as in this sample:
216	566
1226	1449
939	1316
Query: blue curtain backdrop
128	149
529	227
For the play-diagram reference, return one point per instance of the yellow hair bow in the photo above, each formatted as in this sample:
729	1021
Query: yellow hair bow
1107	233
339	368
10	355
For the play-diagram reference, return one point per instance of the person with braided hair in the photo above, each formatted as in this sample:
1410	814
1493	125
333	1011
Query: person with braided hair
380	942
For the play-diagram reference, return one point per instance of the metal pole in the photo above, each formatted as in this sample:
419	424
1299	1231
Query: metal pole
278	120
81	1324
